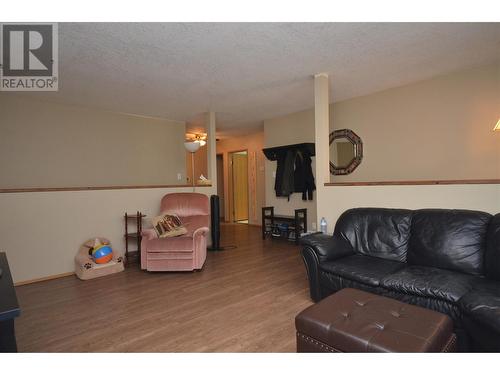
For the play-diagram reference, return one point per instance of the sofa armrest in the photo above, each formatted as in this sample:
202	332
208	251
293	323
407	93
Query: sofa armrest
327	247
319	248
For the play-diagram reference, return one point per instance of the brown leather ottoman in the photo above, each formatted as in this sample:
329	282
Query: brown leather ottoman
355	321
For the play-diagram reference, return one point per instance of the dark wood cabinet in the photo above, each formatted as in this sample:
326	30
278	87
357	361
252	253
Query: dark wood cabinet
9	308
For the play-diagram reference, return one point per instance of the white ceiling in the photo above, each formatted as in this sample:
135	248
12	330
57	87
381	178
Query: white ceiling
248	72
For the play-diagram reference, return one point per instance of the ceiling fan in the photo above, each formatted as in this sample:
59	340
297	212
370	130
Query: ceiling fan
200	138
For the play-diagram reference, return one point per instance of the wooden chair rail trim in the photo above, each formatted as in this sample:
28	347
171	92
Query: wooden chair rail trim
84	188
416	182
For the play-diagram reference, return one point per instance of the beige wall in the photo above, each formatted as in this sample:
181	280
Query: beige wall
41	232
337	199
437	129
253	143
295	128
43	144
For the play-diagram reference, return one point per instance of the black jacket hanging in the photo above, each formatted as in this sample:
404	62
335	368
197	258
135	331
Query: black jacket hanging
303	176
280	160
293	171
288	184
284	184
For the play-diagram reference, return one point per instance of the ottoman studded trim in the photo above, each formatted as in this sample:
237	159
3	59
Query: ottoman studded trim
451	344
321	346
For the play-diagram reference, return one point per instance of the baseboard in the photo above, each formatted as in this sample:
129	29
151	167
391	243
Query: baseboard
46	278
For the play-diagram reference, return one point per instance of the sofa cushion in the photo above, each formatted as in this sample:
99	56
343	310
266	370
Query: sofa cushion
378	232
483	304
331	283
361	268
449	308
429	282
449	239
492	255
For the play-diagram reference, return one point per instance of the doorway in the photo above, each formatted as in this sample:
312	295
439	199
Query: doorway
239	185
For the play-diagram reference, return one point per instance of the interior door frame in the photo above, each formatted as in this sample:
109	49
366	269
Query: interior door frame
230	198
221	154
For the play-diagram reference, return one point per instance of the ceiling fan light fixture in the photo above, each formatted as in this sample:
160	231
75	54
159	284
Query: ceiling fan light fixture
192	146
497	126
195	137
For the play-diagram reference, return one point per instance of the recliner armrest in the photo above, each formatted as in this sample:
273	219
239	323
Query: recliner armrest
327	247
200	232
148	234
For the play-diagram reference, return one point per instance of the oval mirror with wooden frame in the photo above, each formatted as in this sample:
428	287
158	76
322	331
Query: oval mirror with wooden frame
346	152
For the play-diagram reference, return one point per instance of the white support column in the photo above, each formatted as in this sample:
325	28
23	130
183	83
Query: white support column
212	150
322	129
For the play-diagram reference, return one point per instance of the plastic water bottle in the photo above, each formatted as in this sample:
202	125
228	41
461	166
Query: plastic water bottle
323	226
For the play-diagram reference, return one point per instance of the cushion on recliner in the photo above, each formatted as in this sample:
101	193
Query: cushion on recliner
429	282
492	255
378	232
449	239
361	268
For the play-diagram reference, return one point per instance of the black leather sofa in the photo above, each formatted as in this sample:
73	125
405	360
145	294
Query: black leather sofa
445	260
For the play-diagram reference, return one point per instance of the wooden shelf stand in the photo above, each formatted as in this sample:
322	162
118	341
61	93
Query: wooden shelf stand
132	256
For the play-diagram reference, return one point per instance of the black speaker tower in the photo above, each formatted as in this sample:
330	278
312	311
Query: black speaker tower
215	223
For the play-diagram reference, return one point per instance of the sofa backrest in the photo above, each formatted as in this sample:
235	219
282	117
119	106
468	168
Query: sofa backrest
377	232
449	239
492	255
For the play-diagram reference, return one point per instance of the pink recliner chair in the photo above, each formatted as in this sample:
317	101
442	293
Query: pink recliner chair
184	253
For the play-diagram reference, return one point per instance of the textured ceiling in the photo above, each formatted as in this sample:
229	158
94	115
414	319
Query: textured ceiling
248	72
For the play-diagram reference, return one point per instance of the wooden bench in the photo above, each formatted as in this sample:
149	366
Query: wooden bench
283	226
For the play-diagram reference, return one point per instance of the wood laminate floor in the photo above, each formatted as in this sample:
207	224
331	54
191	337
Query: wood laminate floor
244	300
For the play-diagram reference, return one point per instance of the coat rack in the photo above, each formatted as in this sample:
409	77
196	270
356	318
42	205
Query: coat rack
292	176
273	152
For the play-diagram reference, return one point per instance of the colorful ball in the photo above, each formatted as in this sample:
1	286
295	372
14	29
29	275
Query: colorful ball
102	254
